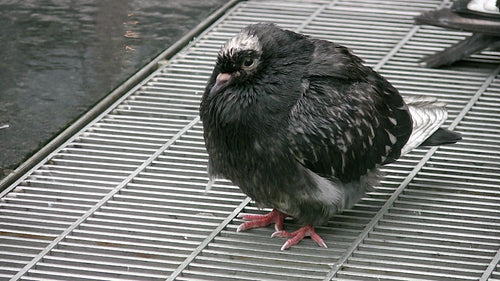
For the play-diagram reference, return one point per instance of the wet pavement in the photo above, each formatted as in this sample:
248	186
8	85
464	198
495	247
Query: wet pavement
59	58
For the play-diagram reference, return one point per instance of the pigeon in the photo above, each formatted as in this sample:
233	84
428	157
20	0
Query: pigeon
302	126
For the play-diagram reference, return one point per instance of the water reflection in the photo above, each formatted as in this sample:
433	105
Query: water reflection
59	57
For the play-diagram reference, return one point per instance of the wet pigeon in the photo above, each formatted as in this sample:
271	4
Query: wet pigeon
302	126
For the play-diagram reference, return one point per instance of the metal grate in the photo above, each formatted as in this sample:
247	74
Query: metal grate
124	198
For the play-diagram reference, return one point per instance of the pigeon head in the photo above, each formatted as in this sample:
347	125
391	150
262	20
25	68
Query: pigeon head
242	52
257	51
238	59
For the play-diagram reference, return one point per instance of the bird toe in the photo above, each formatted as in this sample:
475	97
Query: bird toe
254	221
298	235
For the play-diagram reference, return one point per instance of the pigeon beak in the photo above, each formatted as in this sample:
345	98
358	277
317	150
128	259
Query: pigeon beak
223	78
220	82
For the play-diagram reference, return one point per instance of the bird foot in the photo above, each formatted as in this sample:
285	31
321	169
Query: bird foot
298	235
254	221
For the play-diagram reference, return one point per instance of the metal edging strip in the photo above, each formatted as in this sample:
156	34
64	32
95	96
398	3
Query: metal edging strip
105	199
109	101
374	221
75	135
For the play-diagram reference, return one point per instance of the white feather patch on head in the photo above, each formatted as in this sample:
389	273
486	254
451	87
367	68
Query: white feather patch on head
243	41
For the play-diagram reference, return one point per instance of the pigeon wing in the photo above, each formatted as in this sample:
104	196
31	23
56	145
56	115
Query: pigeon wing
348	119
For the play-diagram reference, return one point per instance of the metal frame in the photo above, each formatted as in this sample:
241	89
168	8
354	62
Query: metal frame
124	199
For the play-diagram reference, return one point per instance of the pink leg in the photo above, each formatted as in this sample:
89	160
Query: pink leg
298	235
254	221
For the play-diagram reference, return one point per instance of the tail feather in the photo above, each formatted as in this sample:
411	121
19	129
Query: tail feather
442	136
428	114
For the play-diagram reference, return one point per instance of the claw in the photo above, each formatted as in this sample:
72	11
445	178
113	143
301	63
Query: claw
254	221
298	235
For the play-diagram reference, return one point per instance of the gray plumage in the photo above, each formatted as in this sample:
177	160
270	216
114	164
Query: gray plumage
301	125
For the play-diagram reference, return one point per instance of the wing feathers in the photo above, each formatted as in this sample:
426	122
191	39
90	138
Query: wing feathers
350	120
345	132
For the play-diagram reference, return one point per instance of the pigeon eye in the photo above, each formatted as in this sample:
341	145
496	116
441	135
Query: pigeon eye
248	62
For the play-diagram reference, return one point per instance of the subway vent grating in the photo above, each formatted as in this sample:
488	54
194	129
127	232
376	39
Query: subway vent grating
125	198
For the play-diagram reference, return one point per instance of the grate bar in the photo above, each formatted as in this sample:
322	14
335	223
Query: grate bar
314	16
396	48
383	211
103	201
491	267
207	240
